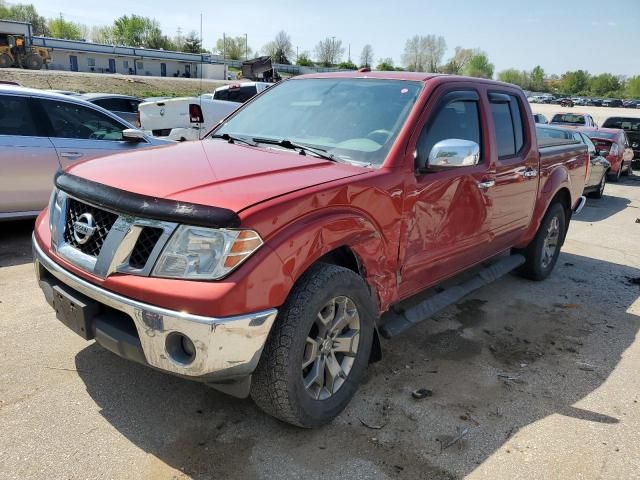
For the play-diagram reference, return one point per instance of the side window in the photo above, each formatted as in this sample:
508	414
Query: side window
221	94
590	146
15	117
507	120
70	120
459	119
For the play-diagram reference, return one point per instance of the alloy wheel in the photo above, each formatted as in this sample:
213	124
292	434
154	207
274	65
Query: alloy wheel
331	348
551	241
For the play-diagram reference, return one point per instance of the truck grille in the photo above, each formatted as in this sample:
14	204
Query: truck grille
147	240
103	222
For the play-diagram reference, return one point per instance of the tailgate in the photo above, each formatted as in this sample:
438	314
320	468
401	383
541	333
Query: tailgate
165	115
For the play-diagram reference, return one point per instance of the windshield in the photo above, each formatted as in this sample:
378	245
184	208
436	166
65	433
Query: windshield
568	118
352	119
625	123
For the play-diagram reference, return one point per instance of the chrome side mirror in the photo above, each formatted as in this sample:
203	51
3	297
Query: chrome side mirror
453	152
132	135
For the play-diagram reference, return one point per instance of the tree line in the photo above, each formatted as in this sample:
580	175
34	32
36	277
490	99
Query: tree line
422	53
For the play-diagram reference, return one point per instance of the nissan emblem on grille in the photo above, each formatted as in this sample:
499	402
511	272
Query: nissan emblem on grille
84	228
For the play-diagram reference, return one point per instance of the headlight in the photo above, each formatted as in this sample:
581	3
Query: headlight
205	253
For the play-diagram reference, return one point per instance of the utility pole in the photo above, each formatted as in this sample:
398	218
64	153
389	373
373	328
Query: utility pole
224	46
349	53
333	50
246	47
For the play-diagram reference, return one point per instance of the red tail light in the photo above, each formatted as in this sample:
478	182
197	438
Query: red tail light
195	113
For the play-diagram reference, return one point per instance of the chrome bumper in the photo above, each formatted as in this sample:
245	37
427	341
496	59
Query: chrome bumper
226	348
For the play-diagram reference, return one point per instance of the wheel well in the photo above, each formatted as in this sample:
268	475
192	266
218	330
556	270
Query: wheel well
345	257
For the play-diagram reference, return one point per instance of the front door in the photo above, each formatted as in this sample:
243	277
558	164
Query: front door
163	69
81	133
73	63
516	160
448	210
28	160
112	65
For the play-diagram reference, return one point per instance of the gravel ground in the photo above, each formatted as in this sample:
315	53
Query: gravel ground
529	380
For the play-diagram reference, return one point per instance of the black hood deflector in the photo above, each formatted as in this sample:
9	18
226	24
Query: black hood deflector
112	198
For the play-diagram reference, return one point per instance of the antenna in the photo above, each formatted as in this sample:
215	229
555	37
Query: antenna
201	68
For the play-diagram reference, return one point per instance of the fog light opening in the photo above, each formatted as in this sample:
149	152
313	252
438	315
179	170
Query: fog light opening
180	348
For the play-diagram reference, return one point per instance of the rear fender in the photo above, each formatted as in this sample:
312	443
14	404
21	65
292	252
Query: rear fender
557	181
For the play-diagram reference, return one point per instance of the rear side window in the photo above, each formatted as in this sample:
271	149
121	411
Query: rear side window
70	120
625	123
507	120
239	95
117	104
459	119
15	116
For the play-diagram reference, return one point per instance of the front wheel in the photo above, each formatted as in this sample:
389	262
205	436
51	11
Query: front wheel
542	253
318	350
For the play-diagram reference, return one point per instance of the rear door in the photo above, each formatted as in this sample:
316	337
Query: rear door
448	211
28	160
515	156
79	132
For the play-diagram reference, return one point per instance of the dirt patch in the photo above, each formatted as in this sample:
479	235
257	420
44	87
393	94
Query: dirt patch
138	86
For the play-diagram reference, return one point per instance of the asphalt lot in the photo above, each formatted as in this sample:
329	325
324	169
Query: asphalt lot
599	114
536	380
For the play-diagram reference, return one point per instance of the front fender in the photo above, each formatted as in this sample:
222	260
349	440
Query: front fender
301	244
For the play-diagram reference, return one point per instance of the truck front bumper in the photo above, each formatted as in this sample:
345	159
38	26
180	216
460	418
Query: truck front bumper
203	348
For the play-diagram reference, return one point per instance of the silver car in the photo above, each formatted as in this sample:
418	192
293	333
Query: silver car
41	132
124	106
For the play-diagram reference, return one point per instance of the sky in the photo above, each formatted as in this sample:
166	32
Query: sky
559	35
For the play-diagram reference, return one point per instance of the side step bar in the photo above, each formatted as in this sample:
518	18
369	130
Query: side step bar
394	323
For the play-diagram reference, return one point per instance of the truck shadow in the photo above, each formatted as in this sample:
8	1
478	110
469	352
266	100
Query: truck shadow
494	366
600	209
15	242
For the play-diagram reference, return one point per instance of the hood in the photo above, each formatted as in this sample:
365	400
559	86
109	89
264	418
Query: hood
213	172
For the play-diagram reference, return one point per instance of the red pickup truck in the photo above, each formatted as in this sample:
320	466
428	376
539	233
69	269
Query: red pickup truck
270	258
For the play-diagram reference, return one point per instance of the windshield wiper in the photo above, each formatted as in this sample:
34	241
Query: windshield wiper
234	138
284	143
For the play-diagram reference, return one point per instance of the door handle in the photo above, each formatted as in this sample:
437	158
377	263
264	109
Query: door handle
70	154
529	173
486	184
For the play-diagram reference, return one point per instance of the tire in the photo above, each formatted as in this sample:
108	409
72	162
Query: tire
32	62
281	385
5	60
539	259
600	192
615	177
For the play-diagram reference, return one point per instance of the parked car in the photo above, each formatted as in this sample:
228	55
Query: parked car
612	103
266	259
613	144
563	101
41	132
630	103
539	118
594	102
183	118
573	120
631	126
124	106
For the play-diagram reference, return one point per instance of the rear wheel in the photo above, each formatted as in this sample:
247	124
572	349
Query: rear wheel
318	349
615	177
5	60
600	192
32	62
543	251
